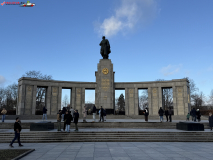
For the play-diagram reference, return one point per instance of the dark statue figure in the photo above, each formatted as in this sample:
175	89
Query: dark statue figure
105	48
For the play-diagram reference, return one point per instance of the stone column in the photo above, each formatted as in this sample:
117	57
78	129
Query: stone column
126	102
150	100
48	99
136	101
34	99
59	98
131	99
73	97
83	99
21	99
54	100
180	100
155	101
160	97
28	100
174	100
78	104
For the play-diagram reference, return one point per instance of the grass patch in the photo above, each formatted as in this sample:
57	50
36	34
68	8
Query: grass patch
8	154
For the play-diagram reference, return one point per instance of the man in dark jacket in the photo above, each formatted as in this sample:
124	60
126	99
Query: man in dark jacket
17	129
198	115
210	120
161	112
102	115
146	113
94	113
67	120
170	114
44	113
76	116
194	114
166	114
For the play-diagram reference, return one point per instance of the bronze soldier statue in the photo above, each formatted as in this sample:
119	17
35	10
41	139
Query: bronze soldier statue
105	48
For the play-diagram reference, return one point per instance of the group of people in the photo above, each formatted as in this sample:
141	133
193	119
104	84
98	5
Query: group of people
101	112
67	117
195	114
161	113
167	113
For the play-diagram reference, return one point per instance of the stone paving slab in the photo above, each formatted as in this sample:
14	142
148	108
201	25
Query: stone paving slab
122	151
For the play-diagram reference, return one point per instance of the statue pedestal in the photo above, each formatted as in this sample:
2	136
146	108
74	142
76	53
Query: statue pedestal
104	93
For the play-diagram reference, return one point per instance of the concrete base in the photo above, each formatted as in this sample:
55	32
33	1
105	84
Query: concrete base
190	126
42	126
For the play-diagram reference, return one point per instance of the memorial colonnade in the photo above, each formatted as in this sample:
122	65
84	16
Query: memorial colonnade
27	88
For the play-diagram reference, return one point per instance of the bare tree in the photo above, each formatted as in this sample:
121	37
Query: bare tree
198	100
167	96
210	100
40	95
2	97
143	100
65	101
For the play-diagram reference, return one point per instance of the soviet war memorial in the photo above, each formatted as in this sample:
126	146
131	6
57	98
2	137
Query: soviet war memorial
106	80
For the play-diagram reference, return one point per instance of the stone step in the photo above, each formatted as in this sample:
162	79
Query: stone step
151	117
33	137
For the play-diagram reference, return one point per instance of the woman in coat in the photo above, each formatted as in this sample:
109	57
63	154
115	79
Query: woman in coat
85	114
210	120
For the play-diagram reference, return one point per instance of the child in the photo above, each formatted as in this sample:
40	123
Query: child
187	117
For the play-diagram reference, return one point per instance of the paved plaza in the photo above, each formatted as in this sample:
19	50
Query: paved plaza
118	151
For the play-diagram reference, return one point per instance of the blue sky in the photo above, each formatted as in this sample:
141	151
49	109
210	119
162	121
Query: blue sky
150	39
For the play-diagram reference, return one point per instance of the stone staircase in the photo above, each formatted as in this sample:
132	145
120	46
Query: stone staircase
151	117
48	137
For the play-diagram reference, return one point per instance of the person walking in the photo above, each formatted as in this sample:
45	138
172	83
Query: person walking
94	113
68	119
59	120
85	114
194	114
72	111
161	112
44	113
17	129
101	114
198	115
166	114
210	120
146	113
3	112
76	116
104	114
170	114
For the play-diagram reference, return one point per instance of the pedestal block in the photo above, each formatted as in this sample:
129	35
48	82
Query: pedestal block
190	126
105	84
42	126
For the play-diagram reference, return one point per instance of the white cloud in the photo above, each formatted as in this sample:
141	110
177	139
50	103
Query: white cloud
2	80
171	69
127	16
